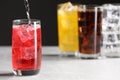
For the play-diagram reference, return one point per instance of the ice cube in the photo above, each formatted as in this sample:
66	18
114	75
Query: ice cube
113	10
68	7
29	52
25	33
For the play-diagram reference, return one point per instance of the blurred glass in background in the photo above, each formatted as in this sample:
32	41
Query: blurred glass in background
90	19
67	14
111	30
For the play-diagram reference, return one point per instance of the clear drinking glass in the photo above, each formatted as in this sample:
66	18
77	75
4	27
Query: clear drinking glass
111	30
67	15
26	46
89	30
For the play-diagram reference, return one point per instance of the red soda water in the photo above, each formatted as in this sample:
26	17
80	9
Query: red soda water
26	47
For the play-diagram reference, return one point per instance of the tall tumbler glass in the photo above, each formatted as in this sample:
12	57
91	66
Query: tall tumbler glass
89	31
67	28
26	46
111	30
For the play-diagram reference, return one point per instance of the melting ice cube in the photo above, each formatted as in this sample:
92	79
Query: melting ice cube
25	33
29	52
68	7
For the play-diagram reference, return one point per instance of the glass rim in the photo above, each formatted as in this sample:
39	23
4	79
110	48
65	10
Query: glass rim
26	20
89	7
92	6
118	4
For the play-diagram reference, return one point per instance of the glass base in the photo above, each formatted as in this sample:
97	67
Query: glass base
69	54
114	55
25	72
89	56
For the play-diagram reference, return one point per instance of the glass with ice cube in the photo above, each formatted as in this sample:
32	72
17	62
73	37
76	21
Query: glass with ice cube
68	28
111	30
26	46
89	31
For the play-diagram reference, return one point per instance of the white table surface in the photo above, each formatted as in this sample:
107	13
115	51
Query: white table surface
63	68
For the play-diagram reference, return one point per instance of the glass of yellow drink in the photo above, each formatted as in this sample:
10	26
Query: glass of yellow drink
67	15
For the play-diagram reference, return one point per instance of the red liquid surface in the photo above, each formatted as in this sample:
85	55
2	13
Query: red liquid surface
26	47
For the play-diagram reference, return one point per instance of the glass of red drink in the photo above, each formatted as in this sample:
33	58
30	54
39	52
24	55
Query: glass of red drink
26	46
89	30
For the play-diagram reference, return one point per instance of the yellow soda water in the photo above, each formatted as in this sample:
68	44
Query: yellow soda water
67	27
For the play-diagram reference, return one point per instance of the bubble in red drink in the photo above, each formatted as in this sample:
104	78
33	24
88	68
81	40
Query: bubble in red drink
26	47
